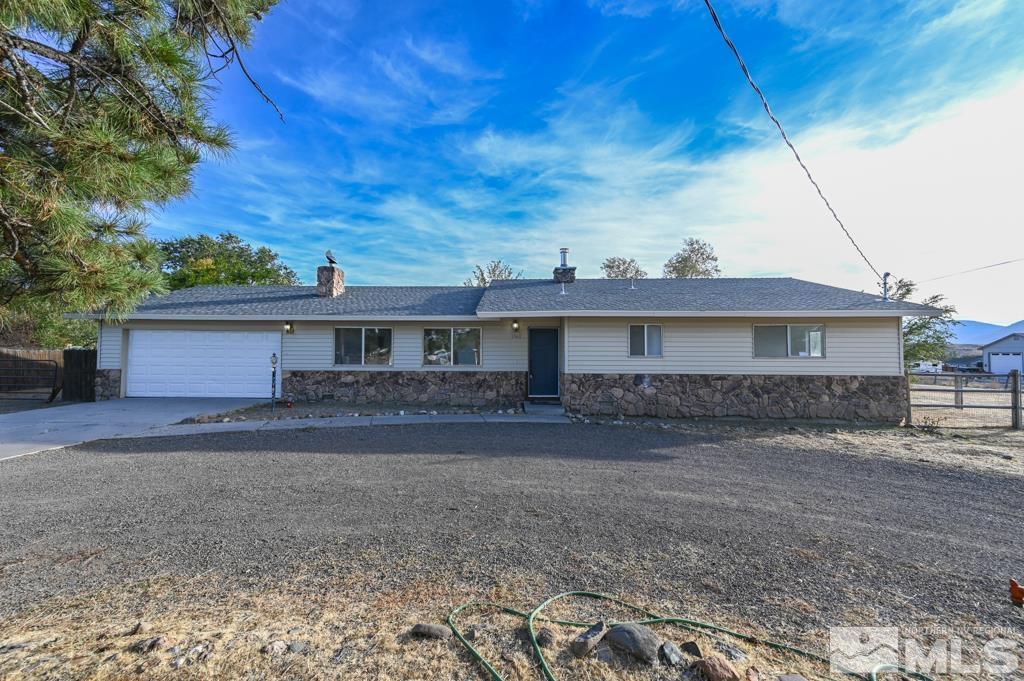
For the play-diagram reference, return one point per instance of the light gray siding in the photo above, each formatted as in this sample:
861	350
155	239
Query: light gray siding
311	346
108	347
869	347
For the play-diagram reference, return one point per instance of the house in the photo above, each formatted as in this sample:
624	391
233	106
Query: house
1004	355
757	347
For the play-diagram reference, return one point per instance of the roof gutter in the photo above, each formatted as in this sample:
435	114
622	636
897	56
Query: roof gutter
264	317
708	313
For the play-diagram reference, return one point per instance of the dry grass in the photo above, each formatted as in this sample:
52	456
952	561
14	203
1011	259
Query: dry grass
355	629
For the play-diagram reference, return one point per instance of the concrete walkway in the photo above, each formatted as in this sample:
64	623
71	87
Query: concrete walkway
344	422
37	430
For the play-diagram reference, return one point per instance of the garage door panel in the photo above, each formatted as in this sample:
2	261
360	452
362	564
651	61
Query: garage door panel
1003	362
200	363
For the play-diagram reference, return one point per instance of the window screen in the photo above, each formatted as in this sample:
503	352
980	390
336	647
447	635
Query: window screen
466	346
770	341
637	340
348	346
437	346
654	340
645	340
806	340
378	346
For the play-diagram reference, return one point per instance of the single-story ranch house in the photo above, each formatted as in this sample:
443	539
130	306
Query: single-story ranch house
757	348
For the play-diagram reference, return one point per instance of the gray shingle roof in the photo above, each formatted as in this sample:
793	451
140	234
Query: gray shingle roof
682	295
303	301
520	296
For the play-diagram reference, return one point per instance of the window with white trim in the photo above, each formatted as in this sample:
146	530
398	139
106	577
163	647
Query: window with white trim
789	340
361	346
451	346
645	340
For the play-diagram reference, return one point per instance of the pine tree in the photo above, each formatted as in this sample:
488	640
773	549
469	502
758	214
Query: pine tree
103	114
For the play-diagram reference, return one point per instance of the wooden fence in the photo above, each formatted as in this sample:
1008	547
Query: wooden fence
42	374
965	400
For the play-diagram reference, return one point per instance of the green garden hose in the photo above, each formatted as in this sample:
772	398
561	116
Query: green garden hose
652	618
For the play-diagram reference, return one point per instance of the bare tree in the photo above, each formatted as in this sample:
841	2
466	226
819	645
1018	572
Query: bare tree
495	269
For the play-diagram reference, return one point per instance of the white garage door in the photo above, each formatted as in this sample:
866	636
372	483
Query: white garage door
1004	362
201	363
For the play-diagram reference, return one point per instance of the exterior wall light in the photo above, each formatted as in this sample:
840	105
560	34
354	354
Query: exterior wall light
273	381
515	325
289	327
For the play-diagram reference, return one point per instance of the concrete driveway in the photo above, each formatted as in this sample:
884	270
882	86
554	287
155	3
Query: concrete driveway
37	430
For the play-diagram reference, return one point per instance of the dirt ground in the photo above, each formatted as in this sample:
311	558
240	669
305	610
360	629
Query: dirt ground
340	540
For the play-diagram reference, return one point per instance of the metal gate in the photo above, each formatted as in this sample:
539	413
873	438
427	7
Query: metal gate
964	400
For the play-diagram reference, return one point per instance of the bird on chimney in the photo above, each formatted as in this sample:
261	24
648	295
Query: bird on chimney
330	259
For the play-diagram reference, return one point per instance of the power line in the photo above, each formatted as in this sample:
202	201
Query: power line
973	269
785	137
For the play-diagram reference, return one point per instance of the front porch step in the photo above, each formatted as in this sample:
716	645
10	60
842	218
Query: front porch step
551	408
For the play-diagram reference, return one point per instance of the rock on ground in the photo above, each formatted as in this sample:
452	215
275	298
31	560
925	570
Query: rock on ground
635	639
716	668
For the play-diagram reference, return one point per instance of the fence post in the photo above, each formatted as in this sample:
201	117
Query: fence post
958	396
1015	397
909	420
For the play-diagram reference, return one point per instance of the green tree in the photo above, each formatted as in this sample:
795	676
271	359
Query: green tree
617	267
925	338
495	269
103	114
38	324
226	259
696	260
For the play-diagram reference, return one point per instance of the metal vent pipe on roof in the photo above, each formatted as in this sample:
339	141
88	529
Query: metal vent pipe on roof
565	256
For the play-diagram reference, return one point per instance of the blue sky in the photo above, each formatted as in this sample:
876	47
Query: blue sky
423	138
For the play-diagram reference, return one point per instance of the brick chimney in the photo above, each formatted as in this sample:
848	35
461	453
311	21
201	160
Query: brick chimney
330	281
563	273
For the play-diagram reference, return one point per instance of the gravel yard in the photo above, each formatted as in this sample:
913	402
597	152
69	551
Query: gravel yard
344	538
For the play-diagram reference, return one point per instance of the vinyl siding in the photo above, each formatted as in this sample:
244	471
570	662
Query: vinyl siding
108	349
311	347
869	347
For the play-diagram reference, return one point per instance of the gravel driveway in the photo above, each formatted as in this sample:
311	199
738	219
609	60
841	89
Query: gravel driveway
789	538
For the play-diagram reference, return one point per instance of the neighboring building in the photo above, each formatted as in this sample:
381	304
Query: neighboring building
1004	355
759	348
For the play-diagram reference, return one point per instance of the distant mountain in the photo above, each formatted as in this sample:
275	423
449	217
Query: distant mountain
978	333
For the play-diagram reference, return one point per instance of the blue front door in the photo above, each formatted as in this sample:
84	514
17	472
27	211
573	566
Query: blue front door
543	363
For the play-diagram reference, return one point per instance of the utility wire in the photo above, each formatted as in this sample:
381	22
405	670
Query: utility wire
785	137
973	269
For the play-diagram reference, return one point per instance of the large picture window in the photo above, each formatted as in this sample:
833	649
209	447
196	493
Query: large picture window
789	340
362	346
645	340
451	346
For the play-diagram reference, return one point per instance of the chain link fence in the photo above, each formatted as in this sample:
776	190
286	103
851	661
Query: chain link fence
964	400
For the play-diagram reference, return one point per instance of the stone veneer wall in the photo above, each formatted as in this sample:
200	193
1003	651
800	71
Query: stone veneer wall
107	384
496	389
847	398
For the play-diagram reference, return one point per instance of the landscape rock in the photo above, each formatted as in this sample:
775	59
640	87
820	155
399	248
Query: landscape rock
583	644
148	645
11	647
274	648
730	651
636	640
692	649
297	647
604	653
427	630
716	668
670	654
791	677
753	674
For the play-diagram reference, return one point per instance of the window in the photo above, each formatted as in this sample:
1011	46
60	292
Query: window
456	346
359	346
645	340
789	340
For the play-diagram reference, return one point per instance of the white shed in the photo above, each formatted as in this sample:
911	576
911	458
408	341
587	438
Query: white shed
1003	355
